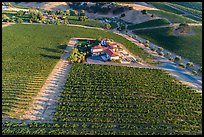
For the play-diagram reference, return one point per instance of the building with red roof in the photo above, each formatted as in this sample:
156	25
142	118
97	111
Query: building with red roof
110	53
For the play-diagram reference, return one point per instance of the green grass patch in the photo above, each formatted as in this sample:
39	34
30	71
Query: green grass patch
150	23
172	17
186	46
29	53
91	23
21	6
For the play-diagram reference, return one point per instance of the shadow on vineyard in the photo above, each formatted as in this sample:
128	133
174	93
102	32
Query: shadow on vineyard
51	50
62	46
50	56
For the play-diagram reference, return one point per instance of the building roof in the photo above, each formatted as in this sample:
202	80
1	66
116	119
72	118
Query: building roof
111	53
97	47
113	45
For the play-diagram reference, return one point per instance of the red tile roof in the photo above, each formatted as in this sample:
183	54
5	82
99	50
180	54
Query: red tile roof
111	53
97	47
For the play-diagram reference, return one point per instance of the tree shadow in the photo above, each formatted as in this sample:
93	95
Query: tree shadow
51	50
50	56
62	46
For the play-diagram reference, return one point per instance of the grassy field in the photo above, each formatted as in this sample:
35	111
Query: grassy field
187	46
29	54
91	23
172	17
115	100
21	6
162	6
151	23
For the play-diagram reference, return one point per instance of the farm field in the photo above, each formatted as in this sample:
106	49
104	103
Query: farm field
186	46
193	5
151	23
190	10
115	100
10	14
162	6
21	76
172	17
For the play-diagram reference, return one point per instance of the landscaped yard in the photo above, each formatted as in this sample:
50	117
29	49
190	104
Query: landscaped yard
186	46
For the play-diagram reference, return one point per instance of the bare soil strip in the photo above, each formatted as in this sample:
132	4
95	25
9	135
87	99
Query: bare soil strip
44	103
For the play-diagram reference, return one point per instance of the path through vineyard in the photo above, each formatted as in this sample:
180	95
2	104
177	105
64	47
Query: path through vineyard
44	103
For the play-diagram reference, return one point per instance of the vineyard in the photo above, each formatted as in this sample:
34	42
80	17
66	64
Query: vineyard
162	6
193	5
190	10
29	54
114	100
151	23
172	17
187	46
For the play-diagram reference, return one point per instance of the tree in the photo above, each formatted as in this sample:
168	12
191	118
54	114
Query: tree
184	28
107	26
82	13
21	13
5	17
73	12
67	12
189	64
40	16
82	18
65	22
144	11
20	20
58	22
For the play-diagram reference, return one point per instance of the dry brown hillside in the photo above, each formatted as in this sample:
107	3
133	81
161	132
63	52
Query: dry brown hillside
46	5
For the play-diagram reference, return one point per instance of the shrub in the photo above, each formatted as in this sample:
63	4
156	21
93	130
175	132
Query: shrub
122	15
160	49
177	58
147	41
184	28
146	44
171	59
161	53
144	11
58	22
168	54
82	18
194	72
153	49
190	64
19	21
200	70
182	65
